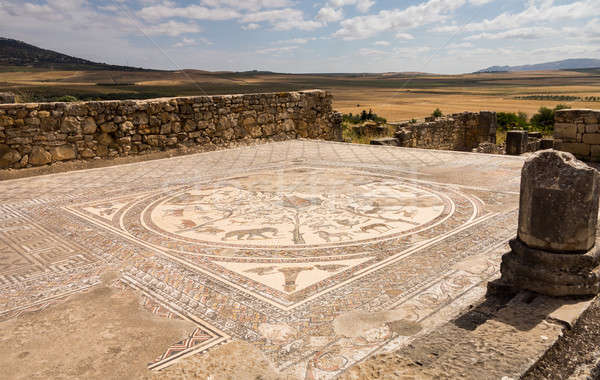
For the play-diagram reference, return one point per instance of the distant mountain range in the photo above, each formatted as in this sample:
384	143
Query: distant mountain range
567	64
18	53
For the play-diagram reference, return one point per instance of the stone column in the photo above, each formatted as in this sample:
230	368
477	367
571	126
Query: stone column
555	251
488	123
516	142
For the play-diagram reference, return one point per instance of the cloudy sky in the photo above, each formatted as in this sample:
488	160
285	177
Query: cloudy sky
443	36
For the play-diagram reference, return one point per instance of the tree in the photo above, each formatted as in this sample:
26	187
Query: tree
437	113
363	115
544	119
511	120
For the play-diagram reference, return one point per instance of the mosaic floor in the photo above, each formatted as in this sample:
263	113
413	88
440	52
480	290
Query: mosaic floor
279	245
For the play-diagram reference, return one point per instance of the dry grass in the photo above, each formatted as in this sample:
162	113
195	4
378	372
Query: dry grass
407	104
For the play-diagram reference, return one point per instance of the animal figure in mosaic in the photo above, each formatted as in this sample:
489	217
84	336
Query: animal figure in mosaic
260	233
209	230
333	236
377	227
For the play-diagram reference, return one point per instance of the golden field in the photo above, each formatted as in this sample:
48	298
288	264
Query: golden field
395	96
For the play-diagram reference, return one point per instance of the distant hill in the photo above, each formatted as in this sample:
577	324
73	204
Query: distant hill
567	64
18	53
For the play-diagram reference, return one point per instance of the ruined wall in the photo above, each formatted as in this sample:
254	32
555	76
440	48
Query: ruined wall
578	132
39	134
462	131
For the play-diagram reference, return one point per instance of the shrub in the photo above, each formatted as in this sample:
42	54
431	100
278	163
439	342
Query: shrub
437	113
544	119
67	99
511	120
364	116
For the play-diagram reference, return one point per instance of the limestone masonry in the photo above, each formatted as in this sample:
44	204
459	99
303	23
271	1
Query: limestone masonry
578	132
462	132
38	134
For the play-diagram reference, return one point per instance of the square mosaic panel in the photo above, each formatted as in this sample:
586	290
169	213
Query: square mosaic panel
273	244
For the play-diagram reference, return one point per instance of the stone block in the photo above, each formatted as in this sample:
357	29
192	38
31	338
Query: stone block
547	143
39	156
578	149
595	153
591	138
516	142
62	153
592	128
8	156
559	203
89	126
565	131
70	124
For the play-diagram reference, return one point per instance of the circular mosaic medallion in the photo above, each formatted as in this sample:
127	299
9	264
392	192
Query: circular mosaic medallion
300	207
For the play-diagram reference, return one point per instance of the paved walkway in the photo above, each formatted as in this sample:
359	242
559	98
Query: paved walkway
320	254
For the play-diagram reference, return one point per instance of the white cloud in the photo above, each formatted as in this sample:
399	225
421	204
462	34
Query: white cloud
277	50
171	28
382	43
185	42
252	5
397	19
480	2
532	33
370	52
328	14
169	10
400	52
282	19
361	5
404	36
296	41
535	13
460	45
251	26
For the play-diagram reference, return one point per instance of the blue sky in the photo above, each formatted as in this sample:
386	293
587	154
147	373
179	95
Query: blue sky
442	36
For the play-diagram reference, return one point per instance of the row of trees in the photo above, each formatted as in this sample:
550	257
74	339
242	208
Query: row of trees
564	98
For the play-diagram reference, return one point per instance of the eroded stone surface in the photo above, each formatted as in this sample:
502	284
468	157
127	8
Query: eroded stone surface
99	334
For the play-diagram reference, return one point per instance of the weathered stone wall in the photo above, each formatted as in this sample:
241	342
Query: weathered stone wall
578	132
39	134
462	131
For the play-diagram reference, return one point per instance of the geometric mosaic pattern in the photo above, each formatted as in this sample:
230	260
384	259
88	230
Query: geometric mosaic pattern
270	243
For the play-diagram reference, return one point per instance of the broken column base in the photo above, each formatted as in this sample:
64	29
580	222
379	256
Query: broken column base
551	273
